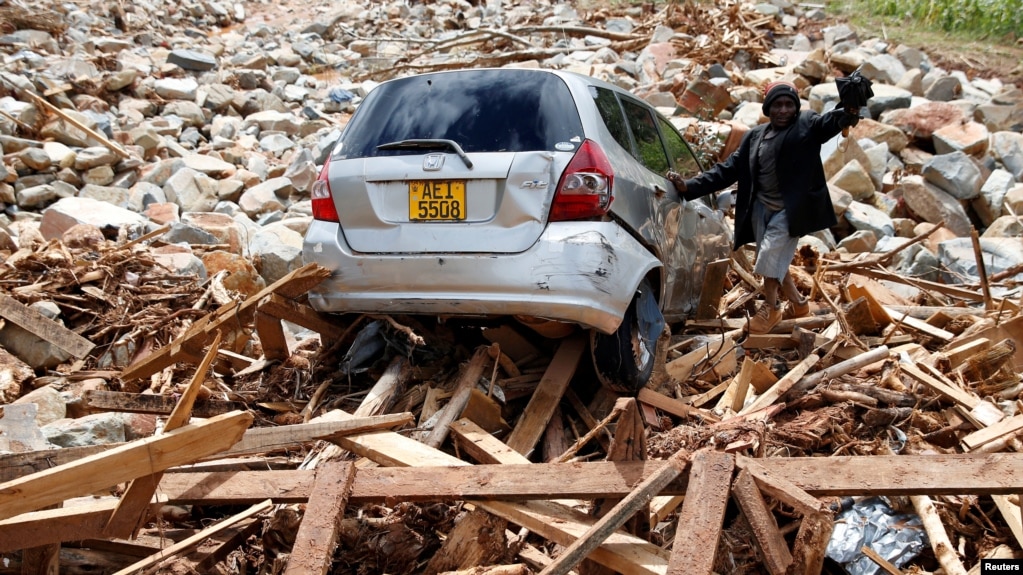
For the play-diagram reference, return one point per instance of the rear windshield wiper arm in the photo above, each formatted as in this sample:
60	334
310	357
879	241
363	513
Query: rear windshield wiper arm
429	145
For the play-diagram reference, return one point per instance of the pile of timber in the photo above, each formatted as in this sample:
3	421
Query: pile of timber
298	442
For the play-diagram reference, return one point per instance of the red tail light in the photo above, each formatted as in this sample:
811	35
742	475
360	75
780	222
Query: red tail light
585	189
323	199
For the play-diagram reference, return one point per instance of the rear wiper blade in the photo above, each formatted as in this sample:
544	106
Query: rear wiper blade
429	145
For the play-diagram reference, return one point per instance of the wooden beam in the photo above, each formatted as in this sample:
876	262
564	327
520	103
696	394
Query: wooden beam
702	514
781	488
547	395
131	511
135	459
75	523
102	400
768	538
318	533
618	515
989	474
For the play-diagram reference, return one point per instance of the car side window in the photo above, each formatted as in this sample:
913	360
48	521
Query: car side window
679	151
611	113
644	129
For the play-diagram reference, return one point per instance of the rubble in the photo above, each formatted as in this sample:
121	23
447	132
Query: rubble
169	403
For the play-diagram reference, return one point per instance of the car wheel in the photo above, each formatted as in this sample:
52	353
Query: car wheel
624	360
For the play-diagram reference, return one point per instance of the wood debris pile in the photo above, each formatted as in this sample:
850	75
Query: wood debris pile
714	33
397	445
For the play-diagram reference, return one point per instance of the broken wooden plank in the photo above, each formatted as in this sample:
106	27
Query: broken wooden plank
318	533
618	515
547	395
918	326
477	541
713	288
702	514
682	367
782	385
957	355
674	406
766	536
272	338
120	464
43	327
468	377
942	388
102	400
1002	428
266	439
781	488
810	544
742	383
482	446
194	540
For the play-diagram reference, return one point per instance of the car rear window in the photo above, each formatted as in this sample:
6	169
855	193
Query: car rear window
480	110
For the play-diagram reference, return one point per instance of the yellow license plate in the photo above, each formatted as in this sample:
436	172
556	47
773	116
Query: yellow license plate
436	200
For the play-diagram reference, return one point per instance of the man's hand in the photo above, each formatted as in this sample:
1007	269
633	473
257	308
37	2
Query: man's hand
676	179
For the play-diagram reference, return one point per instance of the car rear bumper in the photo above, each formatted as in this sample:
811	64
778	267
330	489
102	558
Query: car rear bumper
576	272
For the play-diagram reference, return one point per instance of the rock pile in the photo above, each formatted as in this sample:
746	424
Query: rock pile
200	127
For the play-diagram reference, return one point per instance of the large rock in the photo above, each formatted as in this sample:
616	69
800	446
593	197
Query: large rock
931	204
68	212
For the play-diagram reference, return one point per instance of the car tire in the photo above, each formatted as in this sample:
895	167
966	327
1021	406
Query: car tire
624	360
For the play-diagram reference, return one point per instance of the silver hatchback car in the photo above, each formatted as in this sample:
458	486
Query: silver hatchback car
537	195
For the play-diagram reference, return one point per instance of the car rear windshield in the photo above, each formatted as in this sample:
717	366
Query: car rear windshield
480	110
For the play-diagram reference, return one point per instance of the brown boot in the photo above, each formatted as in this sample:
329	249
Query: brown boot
795	310
767	317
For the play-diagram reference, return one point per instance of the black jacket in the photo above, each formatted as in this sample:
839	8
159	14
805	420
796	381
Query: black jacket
800	175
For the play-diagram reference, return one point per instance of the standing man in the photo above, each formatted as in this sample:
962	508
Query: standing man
782	192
